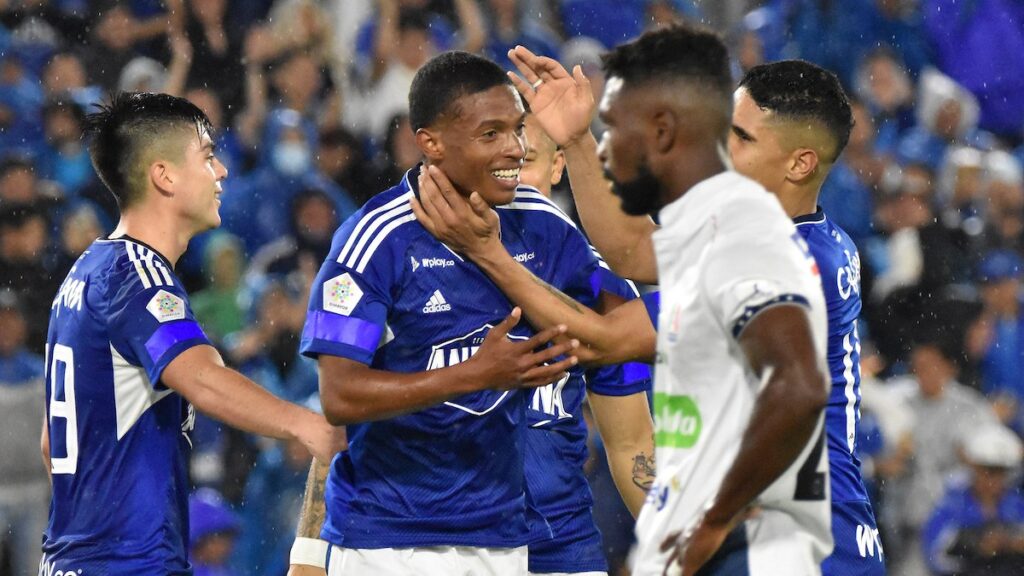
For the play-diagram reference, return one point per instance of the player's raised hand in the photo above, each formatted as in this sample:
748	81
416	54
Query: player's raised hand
562	103
319	437
506	364
470	227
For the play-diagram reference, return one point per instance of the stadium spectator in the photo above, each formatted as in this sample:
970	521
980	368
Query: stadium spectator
509	25
341	156
996	338
218	306
216	52
80	225
884	85
977	529
932	394
23	265
970	42
313	222
62	158
24	490
212	533
947	114
256	207
1004	210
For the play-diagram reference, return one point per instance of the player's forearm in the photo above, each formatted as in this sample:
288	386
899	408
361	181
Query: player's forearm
44	447
314	508
628	432
352	392
546	306
200	376
784	419
624	241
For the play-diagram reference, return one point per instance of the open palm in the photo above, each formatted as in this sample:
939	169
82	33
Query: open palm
562	103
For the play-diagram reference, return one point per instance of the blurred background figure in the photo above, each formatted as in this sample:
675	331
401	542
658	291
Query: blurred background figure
24	485
213	530
977	529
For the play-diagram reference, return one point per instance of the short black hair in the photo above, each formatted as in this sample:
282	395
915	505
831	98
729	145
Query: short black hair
680	51
123	134
799	90
439	83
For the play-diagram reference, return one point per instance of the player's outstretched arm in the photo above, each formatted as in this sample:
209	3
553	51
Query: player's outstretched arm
309	553
200	376
623	334
352	392
778	346
563	105
628	432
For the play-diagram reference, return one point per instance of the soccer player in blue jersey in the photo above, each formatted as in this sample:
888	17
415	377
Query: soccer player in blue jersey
127	361
433	480
791	120
556	442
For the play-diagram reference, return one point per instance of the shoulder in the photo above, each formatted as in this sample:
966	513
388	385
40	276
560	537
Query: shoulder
385	220
530	205
130	269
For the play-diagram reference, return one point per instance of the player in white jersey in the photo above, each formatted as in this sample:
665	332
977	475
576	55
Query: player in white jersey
739	287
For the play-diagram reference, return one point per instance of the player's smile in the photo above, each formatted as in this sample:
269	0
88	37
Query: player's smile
508	178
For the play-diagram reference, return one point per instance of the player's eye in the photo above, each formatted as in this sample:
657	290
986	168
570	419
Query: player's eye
520	129
490	134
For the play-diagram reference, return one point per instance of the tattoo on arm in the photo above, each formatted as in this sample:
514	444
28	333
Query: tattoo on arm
314	509
558	294
643	470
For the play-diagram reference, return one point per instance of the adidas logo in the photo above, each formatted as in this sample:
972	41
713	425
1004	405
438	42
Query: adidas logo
437	303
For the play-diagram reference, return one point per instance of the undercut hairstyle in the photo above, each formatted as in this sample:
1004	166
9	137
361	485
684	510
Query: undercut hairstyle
134	129
678	52
796	90
439	84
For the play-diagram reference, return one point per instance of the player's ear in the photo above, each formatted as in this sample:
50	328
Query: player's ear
430	144
557	168
161	175
803	164
665	124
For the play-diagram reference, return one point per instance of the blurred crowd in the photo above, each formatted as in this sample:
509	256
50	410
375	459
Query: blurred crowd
309	102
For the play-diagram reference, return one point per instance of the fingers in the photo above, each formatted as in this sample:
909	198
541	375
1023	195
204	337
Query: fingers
483	210
669	541
544	375
503	327
523	60
580	78
544	336
445	187
424	219
552	352
434	201
524	88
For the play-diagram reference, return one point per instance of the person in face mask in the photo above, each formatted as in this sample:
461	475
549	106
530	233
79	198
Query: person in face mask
258	207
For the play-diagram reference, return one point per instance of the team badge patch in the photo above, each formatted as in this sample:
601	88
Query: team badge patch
341	294
165	306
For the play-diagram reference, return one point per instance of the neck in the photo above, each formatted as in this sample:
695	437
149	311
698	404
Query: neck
700	165
164	235
798	201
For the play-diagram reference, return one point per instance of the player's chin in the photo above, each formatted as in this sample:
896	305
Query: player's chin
500	191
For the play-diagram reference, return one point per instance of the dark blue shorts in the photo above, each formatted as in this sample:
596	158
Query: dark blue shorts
858	550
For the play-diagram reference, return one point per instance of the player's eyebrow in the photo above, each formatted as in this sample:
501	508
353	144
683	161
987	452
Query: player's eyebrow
210	146
742	134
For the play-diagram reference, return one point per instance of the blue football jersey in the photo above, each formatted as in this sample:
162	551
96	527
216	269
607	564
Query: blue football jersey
118	437
556	449
839	264
393	297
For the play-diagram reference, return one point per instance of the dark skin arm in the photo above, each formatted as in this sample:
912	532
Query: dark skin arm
499	364
471	227
778	346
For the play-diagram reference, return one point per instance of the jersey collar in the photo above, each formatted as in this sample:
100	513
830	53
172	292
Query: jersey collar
141	243
816	217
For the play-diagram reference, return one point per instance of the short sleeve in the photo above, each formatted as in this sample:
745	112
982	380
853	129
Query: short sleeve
623	379
348	309
150	325
753	265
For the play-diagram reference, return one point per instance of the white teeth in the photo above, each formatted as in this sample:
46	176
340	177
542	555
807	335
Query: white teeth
509	174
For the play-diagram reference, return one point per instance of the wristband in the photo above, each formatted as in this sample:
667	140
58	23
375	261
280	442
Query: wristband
309	552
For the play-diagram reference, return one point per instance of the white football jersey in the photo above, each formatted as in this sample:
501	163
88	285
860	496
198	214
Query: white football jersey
725	252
